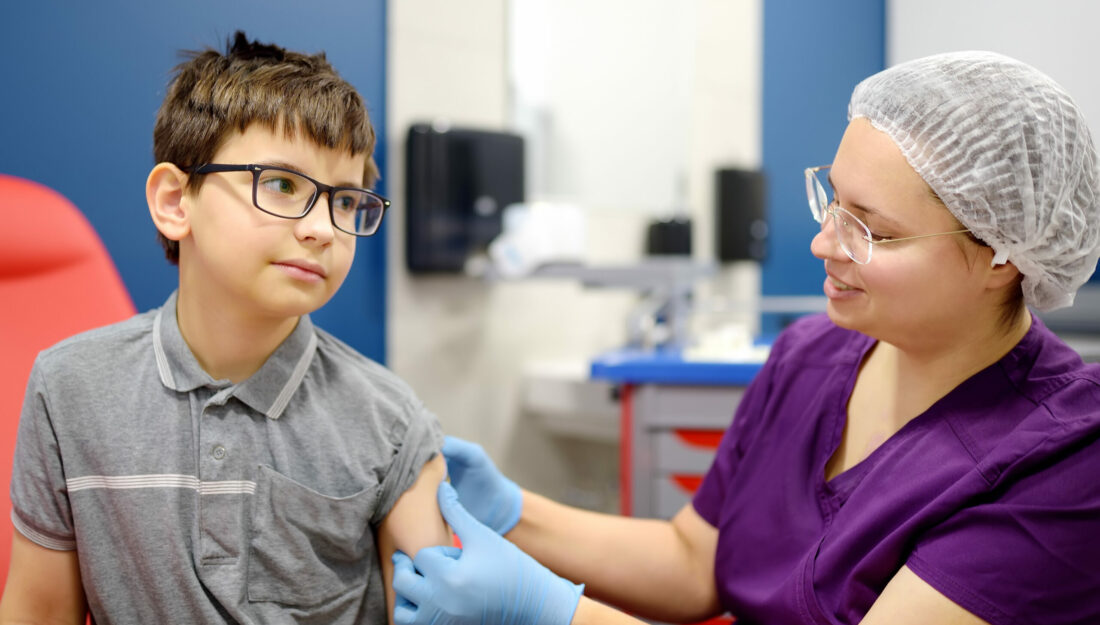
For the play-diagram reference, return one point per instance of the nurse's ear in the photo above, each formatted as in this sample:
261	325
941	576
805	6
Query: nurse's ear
1000	276
996	276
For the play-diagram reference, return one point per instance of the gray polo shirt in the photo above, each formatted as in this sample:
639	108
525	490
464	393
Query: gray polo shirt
194	500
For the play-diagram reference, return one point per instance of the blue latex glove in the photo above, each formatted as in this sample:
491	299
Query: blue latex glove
492	498
487	582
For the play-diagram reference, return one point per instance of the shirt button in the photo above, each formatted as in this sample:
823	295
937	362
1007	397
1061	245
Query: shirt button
218	452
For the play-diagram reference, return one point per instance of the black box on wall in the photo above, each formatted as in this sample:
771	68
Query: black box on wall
457	182
741	216
669	238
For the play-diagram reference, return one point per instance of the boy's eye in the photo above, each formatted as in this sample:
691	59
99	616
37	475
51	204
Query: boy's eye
344	203
279	185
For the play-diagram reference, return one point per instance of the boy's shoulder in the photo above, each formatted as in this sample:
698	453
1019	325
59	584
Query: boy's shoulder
346	365
114	342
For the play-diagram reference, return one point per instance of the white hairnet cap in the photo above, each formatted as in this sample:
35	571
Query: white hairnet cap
1007	151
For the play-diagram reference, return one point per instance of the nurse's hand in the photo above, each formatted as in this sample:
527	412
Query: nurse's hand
490	497
489	581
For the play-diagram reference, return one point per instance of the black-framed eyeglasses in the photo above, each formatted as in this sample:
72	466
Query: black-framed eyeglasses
291	195
853	235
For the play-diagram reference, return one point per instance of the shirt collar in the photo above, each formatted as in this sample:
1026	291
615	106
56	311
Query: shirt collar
267	391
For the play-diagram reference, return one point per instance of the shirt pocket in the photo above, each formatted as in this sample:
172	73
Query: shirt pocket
307	547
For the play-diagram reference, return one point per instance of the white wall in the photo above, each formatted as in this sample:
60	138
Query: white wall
1059	38
629	105
463	343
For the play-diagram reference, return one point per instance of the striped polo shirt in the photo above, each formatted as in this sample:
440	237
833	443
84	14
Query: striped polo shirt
190	499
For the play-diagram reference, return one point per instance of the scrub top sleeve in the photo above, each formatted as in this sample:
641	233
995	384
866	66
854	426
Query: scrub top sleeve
39	495
1030	554
750	411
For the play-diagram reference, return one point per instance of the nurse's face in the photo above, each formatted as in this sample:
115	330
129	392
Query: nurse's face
912	293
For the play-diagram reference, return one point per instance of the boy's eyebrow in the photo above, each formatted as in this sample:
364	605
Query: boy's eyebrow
866	210
295	168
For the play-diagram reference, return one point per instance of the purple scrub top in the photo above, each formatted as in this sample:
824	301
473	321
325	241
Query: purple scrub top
992	496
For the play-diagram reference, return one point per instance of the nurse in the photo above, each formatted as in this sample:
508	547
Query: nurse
928	452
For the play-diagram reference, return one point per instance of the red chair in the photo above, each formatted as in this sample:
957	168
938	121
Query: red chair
56	279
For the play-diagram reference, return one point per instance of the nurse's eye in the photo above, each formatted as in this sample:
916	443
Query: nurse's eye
880	238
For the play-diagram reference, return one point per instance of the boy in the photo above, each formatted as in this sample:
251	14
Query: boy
220	459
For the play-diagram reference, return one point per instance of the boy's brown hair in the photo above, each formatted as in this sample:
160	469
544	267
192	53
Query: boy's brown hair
213	94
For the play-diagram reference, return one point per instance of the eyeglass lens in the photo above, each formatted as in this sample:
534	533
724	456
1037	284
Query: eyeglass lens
852	234
287	194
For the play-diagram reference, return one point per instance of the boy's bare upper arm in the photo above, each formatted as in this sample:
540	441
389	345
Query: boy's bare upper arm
413	523
43	585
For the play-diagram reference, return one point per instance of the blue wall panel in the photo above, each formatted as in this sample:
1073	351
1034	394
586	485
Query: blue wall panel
814	54
81	83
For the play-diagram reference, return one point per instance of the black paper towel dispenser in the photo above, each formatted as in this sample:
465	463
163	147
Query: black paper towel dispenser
458	181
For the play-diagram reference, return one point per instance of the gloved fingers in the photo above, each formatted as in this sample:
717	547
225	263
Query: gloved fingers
401	562
450	551
436	563
404	613
462	453
409	587
464	525
401	602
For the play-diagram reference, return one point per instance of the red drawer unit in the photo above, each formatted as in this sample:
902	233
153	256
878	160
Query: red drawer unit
674	414
669	437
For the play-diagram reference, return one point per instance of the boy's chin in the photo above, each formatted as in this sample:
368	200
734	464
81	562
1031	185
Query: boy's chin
294	305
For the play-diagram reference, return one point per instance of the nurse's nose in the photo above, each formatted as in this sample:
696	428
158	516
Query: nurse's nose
825	244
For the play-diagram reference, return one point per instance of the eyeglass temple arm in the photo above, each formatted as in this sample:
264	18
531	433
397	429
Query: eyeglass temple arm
918	236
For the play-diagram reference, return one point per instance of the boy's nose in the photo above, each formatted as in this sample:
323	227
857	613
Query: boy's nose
317	224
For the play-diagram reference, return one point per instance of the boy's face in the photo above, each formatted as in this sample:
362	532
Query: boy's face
250	263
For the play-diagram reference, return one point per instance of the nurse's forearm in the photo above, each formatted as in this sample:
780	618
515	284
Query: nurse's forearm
653	568
591	612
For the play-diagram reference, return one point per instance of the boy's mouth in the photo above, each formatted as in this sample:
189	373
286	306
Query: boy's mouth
303	268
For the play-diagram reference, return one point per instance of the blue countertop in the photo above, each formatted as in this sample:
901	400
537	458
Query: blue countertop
667	366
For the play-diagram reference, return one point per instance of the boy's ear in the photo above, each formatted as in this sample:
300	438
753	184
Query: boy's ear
165	191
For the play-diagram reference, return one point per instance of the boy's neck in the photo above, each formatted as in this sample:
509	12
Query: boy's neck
227	345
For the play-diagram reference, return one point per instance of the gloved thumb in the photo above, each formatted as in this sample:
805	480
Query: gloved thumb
460	454
406	581
457	448
465	526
